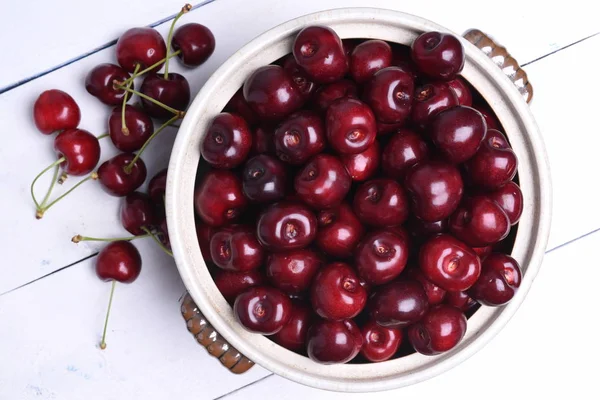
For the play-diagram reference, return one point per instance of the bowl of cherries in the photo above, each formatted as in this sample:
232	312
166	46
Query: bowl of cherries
358	200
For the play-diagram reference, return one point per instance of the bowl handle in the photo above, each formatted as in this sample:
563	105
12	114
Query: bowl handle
214	343
502	58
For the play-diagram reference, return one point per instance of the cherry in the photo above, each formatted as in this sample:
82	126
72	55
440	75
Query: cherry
55	110
398	303
262	142
286	226
140	47
233	283
236	249
462	91
438	55
115	180
80	149
195	42
272	93
380	257
440	330
435	294
99	82
500	278
293	271
479	221
369	57
238	105
490	118
219	198
435	189
327	94
323	182
460	300
264	179
227	141
483	252
157	187
449	263
390	95
422	229
262	309
299	137
139	128
301	79
204	234
381	202
336	292
293	334
349	45
351	126
332	342
339	231
361	166
404	150
137	213
172	91
163	234
510	198
380	343
494	164
431	99
319	51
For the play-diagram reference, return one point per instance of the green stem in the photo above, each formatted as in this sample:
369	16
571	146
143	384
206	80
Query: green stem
150	68
178	113
125	98
79	238
42	210
184	9
129	166
49	167
112	292
158	242
54	178
102	136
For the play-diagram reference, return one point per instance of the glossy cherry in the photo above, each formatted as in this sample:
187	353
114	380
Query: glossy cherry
380	257
99	82
219	198
440	330
423	229
119	261
55	110
196	43
137	213
327	94
438	55
80	149
262	309
483	252
361	166
115	180
380	343
323	182
460	300
510	198
319	51
499	281
399	303
490	118
236	249
233	283
157	187
479	221
431	99
293	271
369	57
173	91
264	179
140	46
286	226
299	137
301	79
336	292
293	334
435	294
139	128
381	202
405	149
494	164
238	105
390	95
227	141
449	263
339	231
351	126
457	133
333	342
462	91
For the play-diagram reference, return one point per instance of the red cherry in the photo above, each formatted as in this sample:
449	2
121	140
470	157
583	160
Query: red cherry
380	343
319	51
140	46
219	198
115	180
137	213
399	303
390	95
236	249
351	126
99	82
139	128
440	330
404	150
438	55
380	257
462	91
369	57
172	91
54	110
119	261
196	42
460	300
233	283
262	309
431	99
323	182
339	231
499	281
293	334
510	198
333	342
294	270
80	149
327	94
238	105
362	166
381	202
490	118
301	79
336	292
286	226
299	137
227	141
435	294
264	179
158	186
494	164
483	252
479	221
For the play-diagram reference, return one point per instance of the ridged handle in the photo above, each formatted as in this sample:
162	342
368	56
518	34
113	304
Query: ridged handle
502	58
214	343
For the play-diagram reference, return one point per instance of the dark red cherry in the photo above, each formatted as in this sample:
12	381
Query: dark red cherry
333	342
272	92
238	105
119	261
479	221
460	300
390	95
398	303
336	292
174	91
435	294
137	213
494	164
351	126
158	186
99	82
449	263
286	226
381	202
139	128
440	330
204	233
293	334
262	142
369	57
55	110
435	189
262	309
236	249
361	166
462	91
510	198
380	257
293	271
457	133
405	149
483	252
232	283
80	149
323	182
196	42
227	141
380	343
339	231
264	179
490	118
327	94
219	198
115	180
319	51
431	99
301	79
422	229
438	55
500	278
140	46
299	137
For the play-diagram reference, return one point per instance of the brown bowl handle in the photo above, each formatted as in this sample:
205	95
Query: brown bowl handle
502	58
214	343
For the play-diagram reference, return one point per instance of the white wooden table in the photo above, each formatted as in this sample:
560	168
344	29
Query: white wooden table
52	306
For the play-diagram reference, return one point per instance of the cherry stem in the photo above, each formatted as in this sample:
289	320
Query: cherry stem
54	178
129	166
112	292
178	113
63	177
49	167
184	9
102	136
124	127
157	240
43	209
79	238
150	68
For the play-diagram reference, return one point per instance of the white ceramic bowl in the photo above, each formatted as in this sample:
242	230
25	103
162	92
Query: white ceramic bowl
392	26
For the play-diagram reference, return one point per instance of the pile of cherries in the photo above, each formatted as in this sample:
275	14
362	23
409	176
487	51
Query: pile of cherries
359	192
164	97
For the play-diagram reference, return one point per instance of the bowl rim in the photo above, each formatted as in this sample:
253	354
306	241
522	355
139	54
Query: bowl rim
349	377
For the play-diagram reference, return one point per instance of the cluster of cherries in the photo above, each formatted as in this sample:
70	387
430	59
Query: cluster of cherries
355	195
164	96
